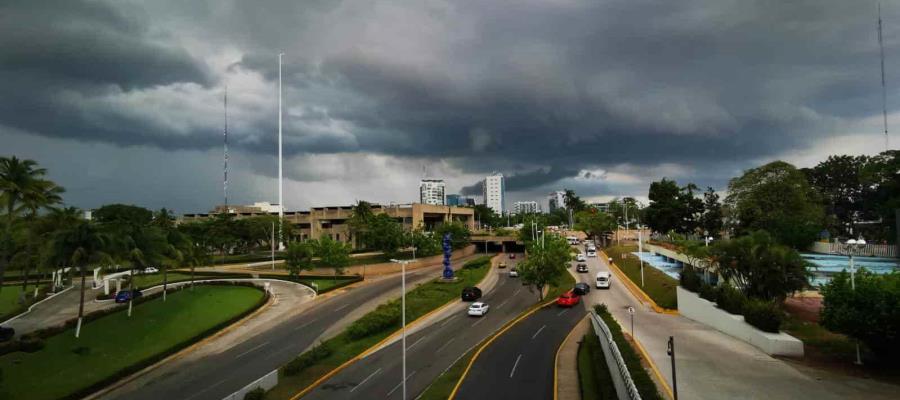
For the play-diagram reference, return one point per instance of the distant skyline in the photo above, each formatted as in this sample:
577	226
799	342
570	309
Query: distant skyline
122	100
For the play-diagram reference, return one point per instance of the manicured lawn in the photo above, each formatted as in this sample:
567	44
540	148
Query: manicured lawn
144	281
343	347
66	364
9	300
659	286
593	372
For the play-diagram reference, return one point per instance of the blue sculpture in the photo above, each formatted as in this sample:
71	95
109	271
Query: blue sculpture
448	272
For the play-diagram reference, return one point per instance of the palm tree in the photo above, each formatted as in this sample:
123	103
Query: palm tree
18	178
43	194
82	244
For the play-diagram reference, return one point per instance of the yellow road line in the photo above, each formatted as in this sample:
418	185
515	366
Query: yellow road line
654	368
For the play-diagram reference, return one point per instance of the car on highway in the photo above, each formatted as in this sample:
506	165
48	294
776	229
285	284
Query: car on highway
580	257
582	267
471	293
502	264
125	295
512	256
603	280
513	272
581	288
568	299
592	253
478	309
6	334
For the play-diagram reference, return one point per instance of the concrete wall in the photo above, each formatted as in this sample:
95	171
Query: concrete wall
267	382
705	312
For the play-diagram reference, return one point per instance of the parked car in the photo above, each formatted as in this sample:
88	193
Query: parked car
151	270
6	334
603	280
581	288
471	293
478	309
568	299
513	272
580	257
512	256
581	268
125	295
502	264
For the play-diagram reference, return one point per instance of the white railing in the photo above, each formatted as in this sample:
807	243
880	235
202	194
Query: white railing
621	377
267	382
872	250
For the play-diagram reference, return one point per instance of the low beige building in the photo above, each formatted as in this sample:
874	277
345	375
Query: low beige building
332	221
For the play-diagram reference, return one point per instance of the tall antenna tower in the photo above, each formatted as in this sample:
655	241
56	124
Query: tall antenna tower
883	87
225	177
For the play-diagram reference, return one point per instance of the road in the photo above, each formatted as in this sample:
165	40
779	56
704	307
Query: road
215	376
431	350
519	364
713	365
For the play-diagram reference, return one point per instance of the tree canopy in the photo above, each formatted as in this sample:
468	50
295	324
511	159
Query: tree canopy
546	262
759	266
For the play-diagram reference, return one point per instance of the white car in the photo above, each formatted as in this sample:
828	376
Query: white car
478	309
603	280
513	273
580	257
150	270
592	253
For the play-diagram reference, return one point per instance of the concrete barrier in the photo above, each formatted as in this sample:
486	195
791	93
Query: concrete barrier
705	312
625	388
267	382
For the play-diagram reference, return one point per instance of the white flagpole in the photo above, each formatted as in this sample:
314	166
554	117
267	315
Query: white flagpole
280	173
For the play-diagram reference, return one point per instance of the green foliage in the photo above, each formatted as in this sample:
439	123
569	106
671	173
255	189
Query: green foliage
255	394
760	266
545	263
332	253
712	220
123	214
689	279
487	217
299	257
425	243
642	381
763	314
478	262
573	202
307	359
385	316
708	292
673	208
659	286
776	197
593	371
594	223
871	313
385	234
730	299
459	234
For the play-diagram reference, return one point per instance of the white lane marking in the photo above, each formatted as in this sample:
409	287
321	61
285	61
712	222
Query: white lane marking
364	380
479	321
342	307
249	351
446	321
517	292
445	345
415	343
398	385
513	372
305	325
207	388
538	332
501	304
562	312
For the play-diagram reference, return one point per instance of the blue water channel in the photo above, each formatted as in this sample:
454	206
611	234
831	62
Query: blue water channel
672	269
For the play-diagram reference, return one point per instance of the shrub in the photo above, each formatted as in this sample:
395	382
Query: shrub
762	314
477	263
731	299
708	292
255	394
307	359
27	344
601	309
384	317
870	313
690	279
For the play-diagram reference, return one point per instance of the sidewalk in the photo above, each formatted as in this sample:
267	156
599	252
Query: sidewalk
568	386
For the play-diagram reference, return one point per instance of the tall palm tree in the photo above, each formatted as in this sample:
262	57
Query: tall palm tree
44	194
17	178
82	244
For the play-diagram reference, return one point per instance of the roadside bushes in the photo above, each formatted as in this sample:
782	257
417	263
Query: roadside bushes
307	359
477	263
642	381
384	317
708	292
690	279
765	315
762	314
730	299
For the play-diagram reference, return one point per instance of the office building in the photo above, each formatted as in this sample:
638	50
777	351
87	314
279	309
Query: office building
525	207
455	200
556	200
431	191
495	193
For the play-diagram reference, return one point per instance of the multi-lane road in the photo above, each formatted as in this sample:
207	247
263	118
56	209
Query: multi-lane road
431	350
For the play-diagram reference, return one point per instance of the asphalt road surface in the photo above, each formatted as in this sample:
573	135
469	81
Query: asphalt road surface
519	364
219	375
431	350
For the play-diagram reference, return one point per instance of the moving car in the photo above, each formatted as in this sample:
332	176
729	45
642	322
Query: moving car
512	256
603	280
580	257
478	309
568	299
502	264
592	253
471	293
151	270
6	334
581	288
513	273
125	295
581	268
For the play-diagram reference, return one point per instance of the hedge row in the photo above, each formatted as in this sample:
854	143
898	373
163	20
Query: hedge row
764	315
307	359
645	386
478	262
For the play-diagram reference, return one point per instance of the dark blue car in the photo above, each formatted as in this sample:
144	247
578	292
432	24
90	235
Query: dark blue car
125	295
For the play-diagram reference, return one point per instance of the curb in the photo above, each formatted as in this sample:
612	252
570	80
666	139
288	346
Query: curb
636	291
17	316
649	360
556	358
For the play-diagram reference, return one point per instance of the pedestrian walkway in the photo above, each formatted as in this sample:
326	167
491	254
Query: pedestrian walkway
567	383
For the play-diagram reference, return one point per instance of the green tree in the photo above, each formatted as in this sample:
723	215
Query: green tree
664	212
333	254
459	234
359	222
593	222
385	235
545	263
486	216
712	220
573	202
425	243
777	198
882	175
299	257
760	266
870	313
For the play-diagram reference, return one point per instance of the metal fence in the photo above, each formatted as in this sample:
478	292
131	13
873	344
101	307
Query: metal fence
267	382
621	377
873	250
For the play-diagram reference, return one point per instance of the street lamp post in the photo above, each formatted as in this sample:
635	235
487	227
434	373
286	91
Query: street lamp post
853	245
403	316
641	253
631	312
671	351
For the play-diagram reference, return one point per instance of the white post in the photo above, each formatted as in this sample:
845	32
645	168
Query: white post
78	328
280	175
118	285
106	287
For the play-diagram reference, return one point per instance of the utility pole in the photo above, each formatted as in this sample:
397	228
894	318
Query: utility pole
671	351
280	170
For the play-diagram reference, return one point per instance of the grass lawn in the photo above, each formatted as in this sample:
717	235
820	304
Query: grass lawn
419	301
593	372
659	286
9	300
114	342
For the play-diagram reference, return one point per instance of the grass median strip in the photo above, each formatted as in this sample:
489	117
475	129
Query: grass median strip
371	329
642	381
593	372
67	366
659	286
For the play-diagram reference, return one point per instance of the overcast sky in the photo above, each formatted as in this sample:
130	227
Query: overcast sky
122	100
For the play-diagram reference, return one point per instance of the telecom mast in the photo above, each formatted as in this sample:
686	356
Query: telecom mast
225	177
887	145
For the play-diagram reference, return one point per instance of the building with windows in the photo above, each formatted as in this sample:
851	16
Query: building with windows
460	200
495	193
603	207
556	200
525	207
431	191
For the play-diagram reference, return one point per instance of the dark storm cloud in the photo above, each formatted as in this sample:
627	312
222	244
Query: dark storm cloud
538	90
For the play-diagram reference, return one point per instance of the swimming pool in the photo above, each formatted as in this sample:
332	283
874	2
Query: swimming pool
826	265
659	262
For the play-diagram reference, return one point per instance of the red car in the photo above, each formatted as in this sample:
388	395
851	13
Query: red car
568	299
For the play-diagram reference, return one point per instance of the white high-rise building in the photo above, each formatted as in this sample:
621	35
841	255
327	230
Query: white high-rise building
556	200
431	191
525	207
495	193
